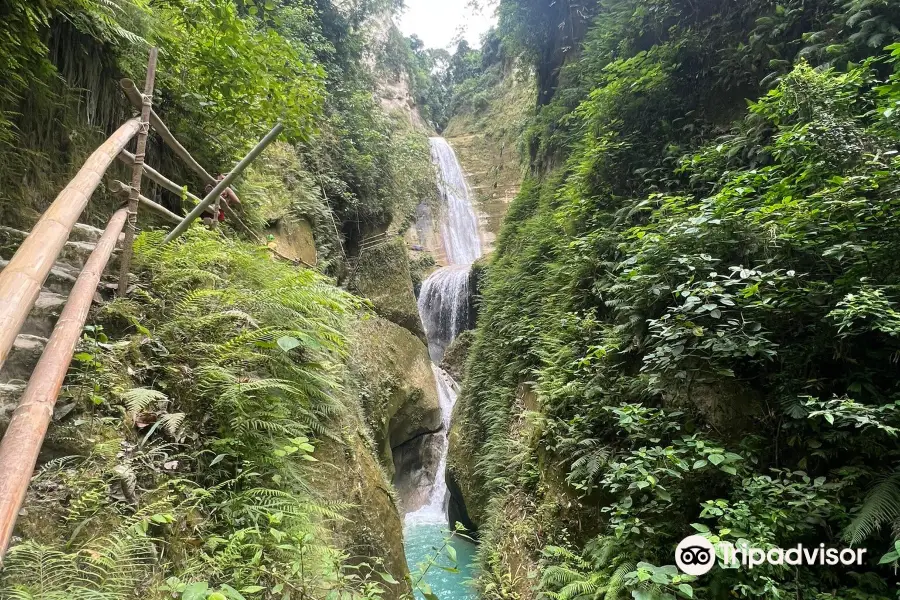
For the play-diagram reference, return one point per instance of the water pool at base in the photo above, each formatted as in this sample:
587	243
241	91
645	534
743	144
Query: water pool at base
421	541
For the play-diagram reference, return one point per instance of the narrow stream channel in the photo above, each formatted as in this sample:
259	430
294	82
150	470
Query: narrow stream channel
443	306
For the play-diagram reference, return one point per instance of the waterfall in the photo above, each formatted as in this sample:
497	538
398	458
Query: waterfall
459	225
435	511
444	307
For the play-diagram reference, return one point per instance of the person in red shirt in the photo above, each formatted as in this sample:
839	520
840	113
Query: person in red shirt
215	213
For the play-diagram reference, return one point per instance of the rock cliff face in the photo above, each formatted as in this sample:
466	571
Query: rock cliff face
485	137
354	476
398	393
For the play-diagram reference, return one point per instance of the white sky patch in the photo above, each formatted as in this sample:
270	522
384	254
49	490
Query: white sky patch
438	23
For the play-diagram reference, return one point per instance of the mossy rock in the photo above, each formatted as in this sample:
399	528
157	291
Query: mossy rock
383	276
454	361
294	239
350	474
396	385
468	499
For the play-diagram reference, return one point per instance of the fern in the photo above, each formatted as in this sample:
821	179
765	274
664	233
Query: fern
109	569
882	506
138	400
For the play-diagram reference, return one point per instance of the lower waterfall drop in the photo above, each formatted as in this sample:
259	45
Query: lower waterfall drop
436	509
426	528
444	307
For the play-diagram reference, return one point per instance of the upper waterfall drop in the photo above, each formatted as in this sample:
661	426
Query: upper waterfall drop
459	224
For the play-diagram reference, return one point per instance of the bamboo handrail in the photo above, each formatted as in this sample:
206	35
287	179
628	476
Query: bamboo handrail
222	185
21	280
166	183
158	178
22	442
123	189
134	95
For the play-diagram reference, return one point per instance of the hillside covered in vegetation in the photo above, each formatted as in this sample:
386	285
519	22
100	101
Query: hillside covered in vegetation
690	324
226	430
686	217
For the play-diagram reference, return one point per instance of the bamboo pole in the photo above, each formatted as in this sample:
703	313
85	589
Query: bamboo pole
22	443
21	280
131	90
123	189
166	183
161	180
137	172
223	185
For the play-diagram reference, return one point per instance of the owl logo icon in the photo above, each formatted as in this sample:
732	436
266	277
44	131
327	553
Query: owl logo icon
695	555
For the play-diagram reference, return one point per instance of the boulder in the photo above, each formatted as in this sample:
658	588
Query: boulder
396	385
294	239
382	275
454	361
416	464
349	474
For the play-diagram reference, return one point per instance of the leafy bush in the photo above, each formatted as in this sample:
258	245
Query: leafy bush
706	314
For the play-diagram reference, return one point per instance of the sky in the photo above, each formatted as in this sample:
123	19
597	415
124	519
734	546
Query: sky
437	22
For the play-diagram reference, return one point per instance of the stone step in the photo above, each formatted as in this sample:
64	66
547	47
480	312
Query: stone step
22	359
9	399
60	280
85	233
43	316
75	253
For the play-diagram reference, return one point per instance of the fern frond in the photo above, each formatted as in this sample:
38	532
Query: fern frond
882	506
137	400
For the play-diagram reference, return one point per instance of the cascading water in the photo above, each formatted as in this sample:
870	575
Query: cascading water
459	225
444	308
435	511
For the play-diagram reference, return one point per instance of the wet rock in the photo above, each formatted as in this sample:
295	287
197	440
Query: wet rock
416	464
349	473
454	362
456	509
396	385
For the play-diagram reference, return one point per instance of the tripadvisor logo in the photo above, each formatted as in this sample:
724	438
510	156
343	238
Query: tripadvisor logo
696	555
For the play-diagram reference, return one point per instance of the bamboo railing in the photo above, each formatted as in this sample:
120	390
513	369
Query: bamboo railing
22	279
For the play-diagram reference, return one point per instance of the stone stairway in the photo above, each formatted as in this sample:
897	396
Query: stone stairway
32	339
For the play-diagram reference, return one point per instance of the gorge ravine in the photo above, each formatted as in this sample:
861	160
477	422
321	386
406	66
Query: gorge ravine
443	303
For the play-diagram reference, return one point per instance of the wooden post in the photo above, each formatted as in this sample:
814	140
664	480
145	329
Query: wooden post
28	426
162	130
136	172
21	280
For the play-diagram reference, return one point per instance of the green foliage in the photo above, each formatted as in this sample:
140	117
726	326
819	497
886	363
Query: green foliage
225	380
110	569
228	70
702	293
232	97
426	69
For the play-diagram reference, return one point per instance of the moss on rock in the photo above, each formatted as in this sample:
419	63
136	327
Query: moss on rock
454	361
395	383
383	276
372	525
